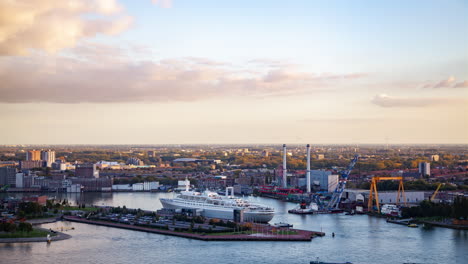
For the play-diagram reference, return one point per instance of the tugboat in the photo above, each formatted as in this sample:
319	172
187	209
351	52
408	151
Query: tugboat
281	224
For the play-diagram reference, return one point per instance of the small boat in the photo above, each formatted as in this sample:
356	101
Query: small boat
281	224
324	262
413	225
350	213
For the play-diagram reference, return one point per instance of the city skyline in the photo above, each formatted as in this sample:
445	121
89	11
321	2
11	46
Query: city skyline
197	72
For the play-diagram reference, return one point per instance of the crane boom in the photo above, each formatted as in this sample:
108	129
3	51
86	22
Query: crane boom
435	192
336	197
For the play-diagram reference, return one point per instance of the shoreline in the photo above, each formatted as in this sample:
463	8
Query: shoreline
58	237
303	235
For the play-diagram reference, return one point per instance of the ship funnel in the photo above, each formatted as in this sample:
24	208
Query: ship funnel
285	171
308	169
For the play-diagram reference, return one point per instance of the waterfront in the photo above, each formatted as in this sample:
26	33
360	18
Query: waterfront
359	239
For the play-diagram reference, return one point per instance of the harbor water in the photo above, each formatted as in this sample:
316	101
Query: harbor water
358	239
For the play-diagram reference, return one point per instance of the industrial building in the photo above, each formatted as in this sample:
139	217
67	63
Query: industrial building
86	170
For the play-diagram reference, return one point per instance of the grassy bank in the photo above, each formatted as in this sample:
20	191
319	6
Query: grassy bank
21	234
76	208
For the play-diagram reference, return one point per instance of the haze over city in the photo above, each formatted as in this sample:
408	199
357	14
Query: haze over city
176	72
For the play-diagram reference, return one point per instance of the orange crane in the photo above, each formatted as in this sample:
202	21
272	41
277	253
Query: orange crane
435	192
373	189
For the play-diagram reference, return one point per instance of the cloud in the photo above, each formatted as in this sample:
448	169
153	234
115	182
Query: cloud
450	82
463	84
163	3
52	25
100	73
384	100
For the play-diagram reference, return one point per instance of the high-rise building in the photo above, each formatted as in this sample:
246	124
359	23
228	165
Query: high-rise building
151	154
135	161
424	168
7	176
86	170
33	155
48	157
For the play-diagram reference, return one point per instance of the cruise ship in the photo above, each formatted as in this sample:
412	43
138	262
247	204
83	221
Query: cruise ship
214	205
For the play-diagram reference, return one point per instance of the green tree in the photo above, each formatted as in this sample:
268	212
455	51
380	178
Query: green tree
25	227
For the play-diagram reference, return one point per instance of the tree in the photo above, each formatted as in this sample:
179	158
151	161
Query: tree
25	227
460	207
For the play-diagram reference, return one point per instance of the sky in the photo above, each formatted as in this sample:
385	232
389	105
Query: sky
234	72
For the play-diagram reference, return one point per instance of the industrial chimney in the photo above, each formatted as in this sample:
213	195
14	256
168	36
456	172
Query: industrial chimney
285	171
308	168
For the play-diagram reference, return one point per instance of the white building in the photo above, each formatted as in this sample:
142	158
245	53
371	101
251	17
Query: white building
391	197
324	179
385	197
150	186
137	187
424	168
122	187
49	157
181	184
19	180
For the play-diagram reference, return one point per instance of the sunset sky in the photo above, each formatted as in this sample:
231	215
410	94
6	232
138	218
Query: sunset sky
266	71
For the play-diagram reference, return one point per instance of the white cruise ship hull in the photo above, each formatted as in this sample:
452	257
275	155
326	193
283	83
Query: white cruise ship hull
220	212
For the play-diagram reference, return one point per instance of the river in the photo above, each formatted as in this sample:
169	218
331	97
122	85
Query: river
358	239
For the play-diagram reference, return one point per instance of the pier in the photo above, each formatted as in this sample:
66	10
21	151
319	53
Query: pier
260	233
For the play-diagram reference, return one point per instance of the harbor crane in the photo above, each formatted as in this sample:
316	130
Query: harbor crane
373	192
336	197
433	196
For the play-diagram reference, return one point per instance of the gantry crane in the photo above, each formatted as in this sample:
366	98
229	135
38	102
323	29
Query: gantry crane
373	188
336	197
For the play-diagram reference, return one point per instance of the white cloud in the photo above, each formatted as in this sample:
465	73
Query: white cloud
52	25
384	100
99	73
463	84
163	3
450	82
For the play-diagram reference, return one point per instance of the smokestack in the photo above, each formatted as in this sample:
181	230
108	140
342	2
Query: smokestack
285	171
308	168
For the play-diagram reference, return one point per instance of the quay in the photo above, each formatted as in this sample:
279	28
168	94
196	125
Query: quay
261	234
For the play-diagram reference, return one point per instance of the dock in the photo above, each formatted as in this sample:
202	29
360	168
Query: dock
262	233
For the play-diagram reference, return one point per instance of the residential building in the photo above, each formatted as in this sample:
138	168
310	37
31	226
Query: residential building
48	157
424	168
33	155
31	164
